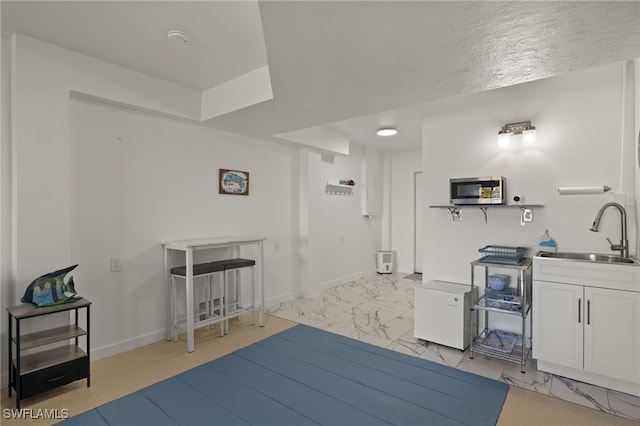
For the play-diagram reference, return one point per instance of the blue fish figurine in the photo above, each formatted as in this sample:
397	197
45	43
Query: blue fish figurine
50	289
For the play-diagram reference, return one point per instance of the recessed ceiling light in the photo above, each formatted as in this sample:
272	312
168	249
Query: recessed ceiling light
179	36
387	131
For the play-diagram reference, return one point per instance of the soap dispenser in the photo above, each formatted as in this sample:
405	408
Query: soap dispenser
547	243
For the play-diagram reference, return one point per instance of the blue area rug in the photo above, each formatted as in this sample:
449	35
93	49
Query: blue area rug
305	376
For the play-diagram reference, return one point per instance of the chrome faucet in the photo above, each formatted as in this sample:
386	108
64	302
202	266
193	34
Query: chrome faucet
624	243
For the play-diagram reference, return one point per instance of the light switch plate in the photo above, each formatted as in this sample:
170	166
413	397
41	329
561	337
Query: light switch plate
115	264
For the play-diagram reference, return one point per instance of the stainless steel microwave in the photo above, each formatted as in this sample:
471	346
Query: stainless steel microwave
478	190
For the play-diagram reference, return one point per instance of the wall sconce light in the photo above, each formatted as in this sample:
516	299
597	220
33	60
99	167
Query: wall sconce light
524	128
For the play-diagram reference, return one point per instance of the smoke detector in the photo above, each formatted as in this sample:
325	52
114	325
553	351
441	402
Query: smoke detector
179	36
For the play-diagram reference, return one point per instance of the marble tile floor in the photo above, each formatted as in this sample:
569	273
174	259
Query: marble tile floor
378	309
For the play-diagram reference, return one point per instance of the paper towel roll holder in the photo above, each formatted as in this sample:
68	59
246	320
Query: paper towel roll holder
576	190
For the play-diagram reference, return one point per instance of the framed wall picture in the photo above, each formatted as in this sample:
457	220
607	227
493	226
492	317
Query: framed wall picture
233	182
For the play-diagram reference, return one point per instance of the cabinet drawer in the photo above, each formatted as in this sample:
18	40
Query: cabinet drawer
589	274
52	377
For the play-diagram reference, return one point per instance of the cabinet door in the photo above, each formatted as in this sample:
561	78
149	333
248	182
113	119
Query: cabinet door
557	335
612	333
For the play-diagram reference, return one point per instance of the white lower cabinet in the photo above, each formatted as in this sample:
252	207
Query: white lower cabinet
557	333
588	333
611	333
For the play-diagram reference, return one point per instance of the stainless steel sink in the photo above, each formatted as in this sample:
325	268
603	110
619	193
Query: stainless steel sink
589	257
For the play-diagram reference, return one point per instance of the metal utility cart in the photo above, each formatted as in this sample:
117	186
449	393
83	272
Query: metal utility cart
497	343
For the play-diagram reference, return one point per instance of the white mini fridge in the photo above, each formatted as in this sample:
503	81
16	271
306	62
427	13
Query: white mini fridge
443	313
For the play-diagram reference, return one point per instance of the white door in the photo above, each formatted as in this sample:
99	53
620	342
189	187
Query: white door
558	312
417	259
612	333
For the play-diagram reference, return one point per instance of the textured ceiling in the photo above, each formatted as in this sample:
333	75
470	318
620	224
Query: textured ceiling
347	65
330	61
227	38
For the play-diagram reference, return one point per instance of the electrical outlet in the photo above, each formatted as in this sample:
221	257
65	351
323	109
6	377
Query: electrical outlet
115	264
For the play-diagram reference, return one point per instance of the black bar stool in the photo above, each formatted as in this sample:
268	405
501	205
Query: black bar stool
214	312
234	308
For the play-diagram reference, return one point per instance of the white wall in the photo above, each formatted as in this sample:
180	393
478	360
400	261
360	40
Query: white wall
578	120
634	93
137	180
404	165
6	291
95	174
341	242
44	76
92	181
579	135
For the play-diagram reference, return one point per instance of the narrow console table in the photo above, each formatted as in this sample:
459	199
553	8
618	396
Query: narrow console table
37	372
188	247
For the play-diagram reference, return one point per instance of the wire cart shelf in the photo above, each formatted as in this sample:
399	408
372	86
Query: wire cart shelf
482	337
504	255
513	355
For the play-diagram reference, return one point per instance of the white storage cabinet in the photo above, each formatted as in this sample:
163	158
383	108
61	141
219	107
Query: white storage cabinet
587	332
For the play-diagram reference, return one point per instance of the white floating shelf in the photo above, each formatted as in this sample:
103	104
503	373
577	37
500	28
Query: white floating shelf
526	214
337	189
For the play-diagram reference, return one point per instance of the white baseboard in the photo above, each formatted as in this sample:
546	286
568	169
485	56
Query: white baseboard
145	339
348	278
341	280
113	349
156	336
126	345
270	301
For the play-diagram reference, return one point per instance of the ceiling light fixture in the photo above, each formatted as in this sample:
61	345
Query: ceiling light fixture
179	36
387	131
524	128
